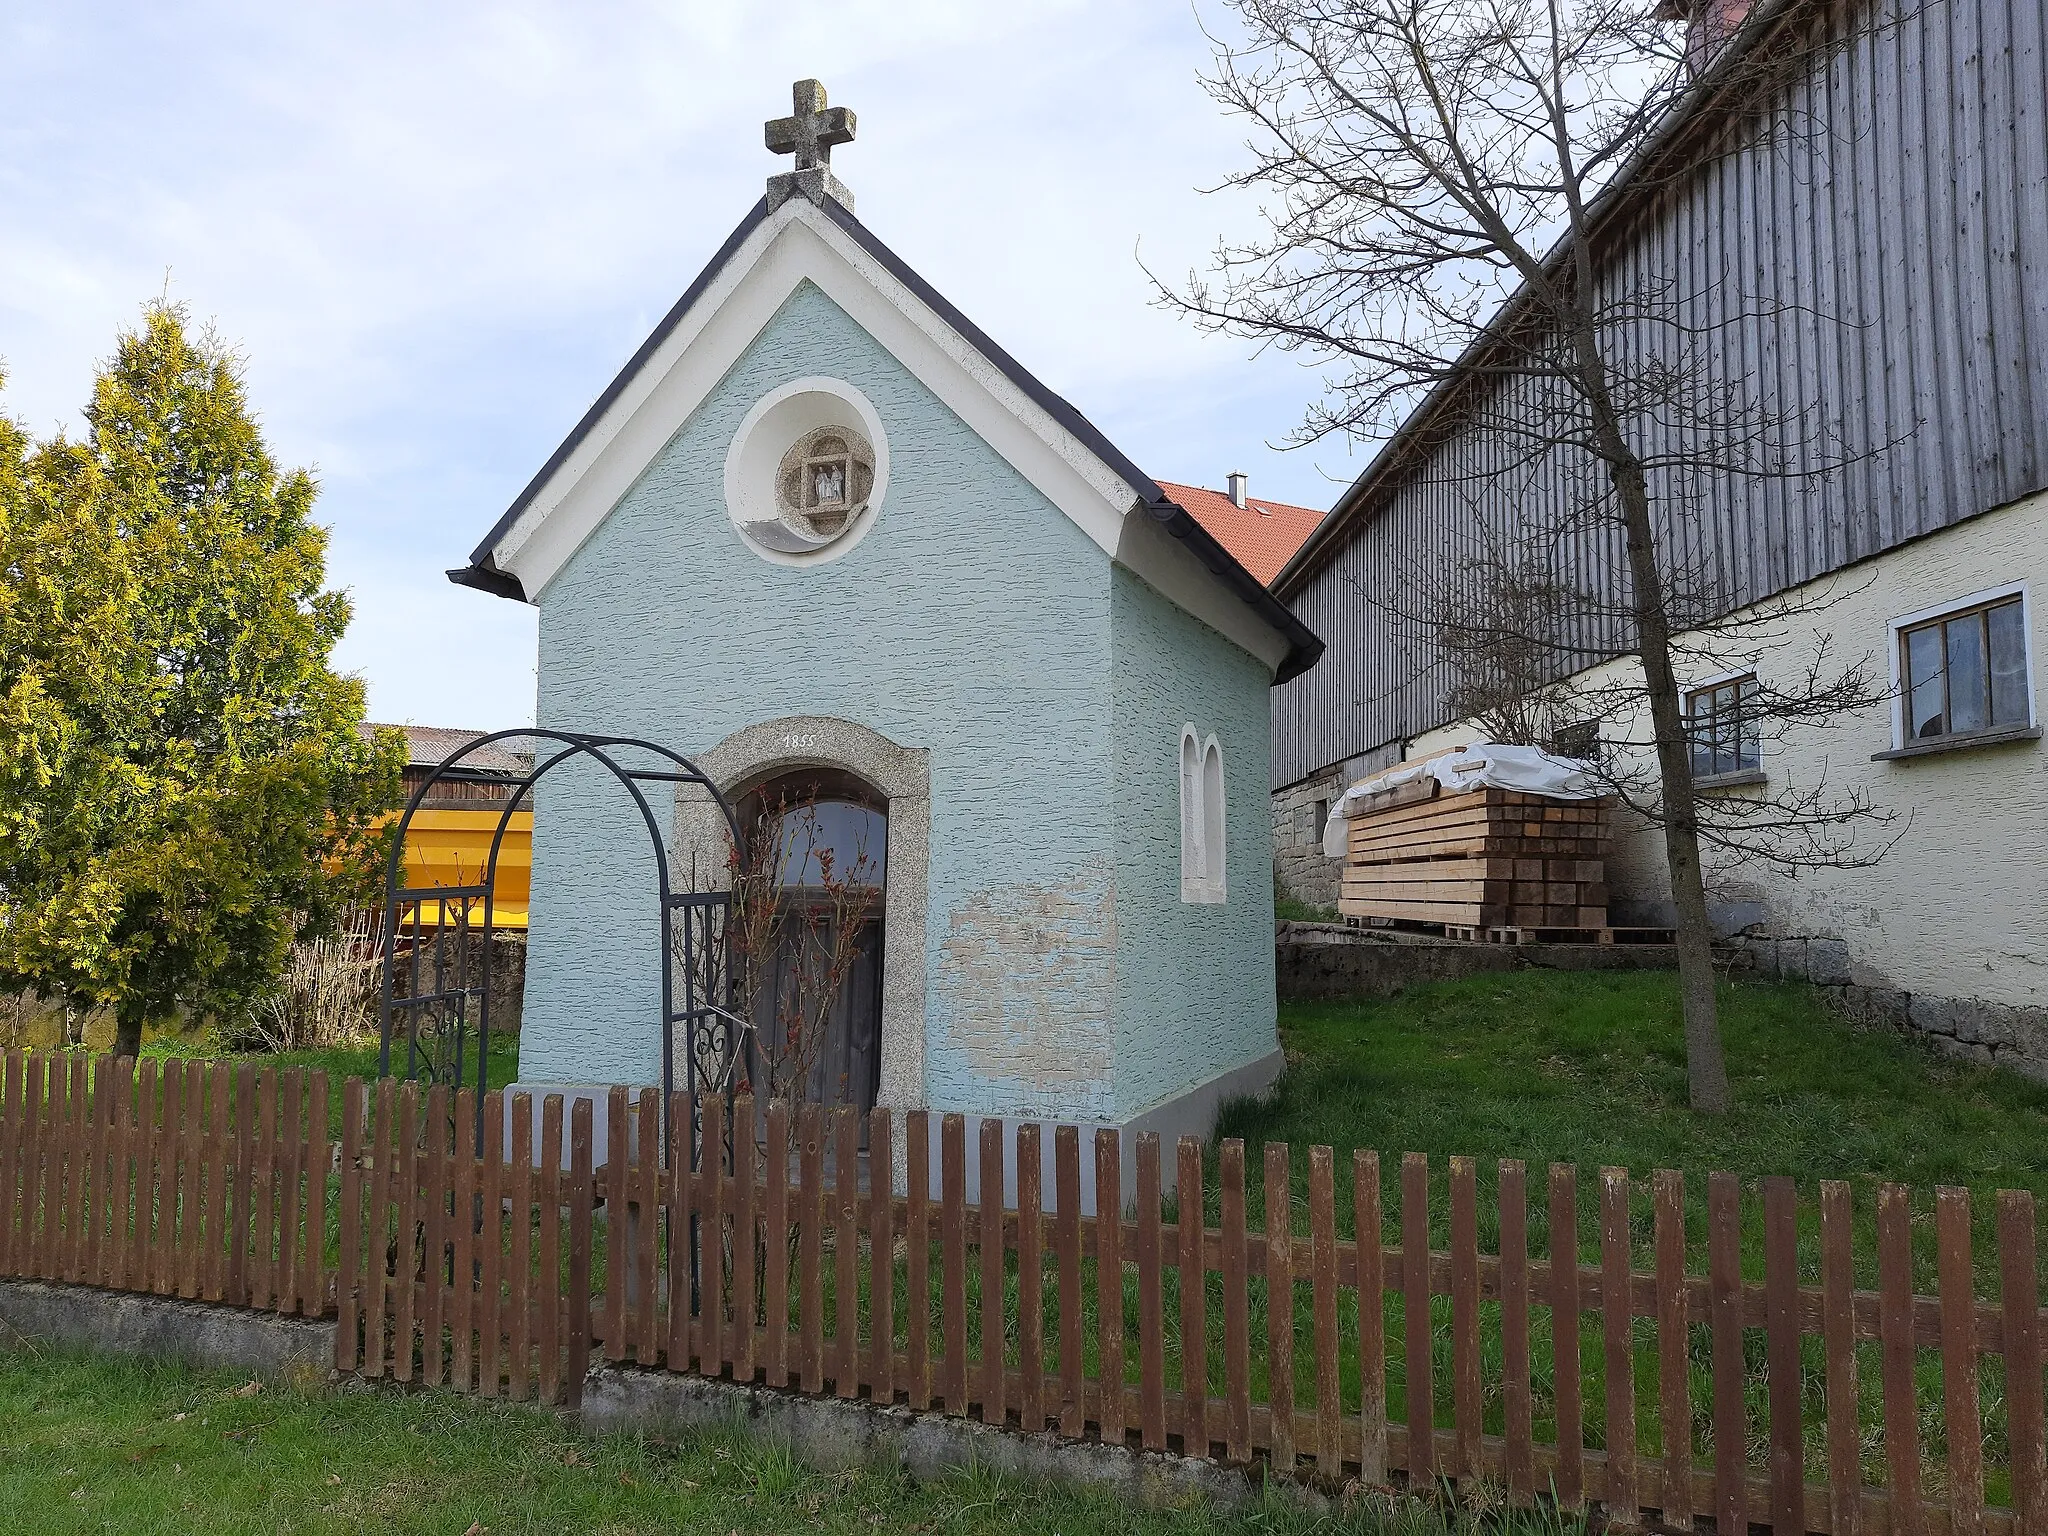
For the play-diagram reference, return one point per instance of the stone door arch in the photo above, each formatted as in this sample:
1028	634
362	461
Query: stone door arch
902	775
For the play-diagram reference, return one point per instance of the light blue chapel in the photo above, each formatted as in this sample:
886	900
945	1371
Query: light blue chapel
821	528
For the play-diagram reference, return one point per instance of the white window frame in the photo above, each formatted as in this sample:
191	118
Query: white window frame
1906	621
1203	824
1705	685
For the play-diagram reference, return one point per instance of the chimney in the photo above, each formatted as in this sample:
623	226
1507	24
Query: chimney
1235	480
1708	25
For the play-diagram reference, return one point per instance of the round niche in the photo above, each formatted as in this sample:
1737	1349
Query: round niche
806	472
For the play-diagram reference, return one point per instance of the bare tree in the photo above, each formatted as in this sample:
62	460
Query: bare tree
1436	174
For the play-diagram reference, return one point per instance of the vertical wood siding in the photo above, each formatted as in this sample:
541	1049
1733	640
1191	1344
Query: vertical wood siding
1882	268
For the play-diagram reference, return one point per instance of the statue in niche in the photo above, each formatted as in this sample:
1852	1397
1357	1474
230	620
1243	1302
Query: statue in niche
824	483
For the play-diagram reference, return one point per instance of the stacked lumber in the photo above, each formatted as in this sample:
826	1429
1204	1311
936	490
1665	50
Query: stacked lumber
1482	859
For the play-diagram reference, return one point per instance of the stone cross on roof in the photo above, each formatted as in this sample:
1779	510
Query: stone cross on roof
809	135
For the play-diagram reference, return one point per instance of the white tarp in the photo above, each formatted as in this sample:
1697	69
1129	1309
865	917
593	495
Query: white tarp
1484	764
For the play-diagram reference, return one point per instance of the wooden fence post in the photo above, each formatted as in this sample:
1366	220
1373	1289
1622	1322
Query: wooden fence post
711	1349
1194	1298
1570	1479
577	1321
1237	1361
1322	1229
1066	1180
1109	1284
551	1297
1151	1303
1963	1418
405	1169
682	1148
1466	1406
1030	1282
11	1127
1517	1401
491	1252
462	1263
313	1287
1838	1330
745	1237
2019	1299
917	1237
1415	1318
1895	1326
953	1260
811	1246
989	1239
348	1277
1674	1397
882	1257
1781	1333
1280	1306
522	1292
1617	1326
846	1254
775	1246
617	1267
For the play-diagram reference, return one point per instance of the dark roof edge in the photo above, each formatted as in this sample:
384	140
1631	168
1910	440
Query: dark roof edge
1304	648
1614	199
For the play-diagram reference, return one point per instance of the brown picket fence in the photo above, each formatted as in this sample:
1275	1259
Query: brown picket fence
200	1179
1243	1340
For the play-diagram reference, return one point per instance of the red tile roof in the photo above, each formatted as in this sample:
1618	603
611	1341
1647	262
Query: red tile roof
1263	535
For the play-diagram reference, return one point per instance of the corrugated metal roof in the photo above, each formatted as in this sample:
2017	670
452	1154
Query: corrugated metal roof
1888	275
428	745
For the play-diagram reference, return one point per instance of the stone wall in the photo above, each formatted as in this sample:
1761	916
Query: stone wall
1298	862
1330	962
1975	1029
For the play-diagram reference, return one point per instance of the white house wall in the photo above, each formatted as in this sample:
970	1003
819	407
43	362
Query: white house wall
1958	909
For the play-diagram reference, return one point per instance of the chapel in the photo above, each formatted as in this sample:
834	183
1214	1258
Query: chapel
822	534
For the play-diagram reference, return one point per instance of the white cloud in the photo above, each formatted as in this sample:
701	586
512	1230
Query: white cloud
436	231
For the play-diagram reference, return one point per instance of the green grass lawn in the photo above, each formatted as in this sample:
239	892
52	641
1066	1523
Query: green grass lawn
1589	1069
111	1445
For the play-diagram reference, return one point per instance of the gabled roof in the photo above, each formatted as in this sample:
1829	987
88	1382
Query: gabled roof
1070	460
1261	535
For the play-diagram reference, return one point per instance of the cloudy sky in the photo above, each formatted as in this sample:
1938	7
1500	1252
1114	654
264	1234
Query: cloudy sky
437	230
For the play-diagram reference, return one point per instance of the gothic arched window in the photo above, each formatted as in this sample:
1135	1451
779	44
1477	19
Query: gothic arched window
1202	878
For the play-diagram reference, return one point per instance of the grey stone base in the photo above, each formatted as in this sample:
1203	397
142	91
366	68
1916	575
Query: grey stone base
1332	962
1971	1029
161	1328
835	1435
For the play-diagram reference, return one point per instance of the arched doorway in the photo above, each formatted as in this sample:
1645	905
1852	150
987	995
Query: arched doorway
809	935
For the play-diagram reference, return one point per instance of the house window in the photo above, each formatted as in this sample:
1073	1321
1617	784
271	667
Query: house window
1965	672
1721	720
1581	741
1201	819
1319	818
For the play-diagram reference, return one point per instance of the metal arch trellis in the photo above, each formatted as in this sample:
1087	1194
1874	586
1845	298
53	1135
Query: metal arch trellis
439	1024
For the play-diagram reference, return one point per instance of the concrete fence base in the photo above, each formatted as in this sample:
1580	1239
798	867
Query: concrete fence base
826	1433
189	1332
833	1434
